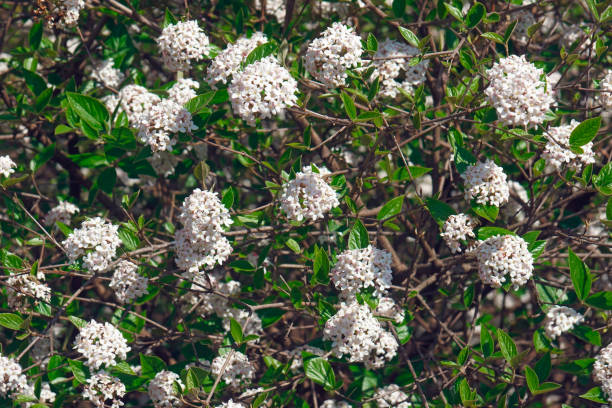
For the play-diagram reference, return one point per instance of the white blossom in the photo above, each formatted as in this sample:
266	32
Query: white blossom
161	389
231	404
101	344
501	256
519	92
332	403
22	286
392	396
262	90
457	228
557	151
605	97
486	183
127	283
106	73
181	44
276	8
363	268
561	319
97	239
602	370
12	381
161	122
7	166
330	55
308	196
228	61
104	390
135	101
392	61
67	10
388	308
46	395
237	370
62	213
183	90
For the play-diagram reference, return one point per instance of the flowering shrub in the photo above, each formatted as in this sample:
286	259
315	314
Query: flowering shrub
291	203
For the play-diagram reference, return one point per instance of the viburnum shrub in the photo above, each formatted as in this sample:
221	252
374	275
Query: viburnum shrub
305	203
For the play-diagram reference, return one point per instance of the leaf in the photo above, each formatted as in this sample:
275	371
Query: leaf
463	159
42	157
151	365
228	198
532	379
236	331
169	19
454	11
487	232
349	105
123	367
409	36
486	211
10	321
468	296
43	99
371	43
293	245
547	387
129	239
320	371
493	36
77	321
198	103
542	367
596	395
107	179
358	237
507	346
603	180
391	208
78	370
585	132
320	268
89	109
600	300
593	8
191	380
475	15
487	345
587	334
261	51
580	274
399	8
35	35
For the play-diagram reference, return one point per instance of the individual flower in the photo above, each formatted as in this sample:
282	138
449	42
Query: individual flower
228	61
181	44
486	183
308	196
262	90
238	369
605	96
332	403
519	92
64	13
135	101
21	287
101	344
12	381
62	213
392	396
104	390
557	151
561	319
97	239
7	166
501	256
363	268
106	73
329	56
388	308
457	228
183	90
602	370
354	331
392	62
162	392
127	283
157	126
231	404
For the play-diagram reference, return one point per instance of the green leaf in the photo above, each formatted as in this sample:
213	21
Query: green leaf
78	370
151	365
487	232
358	237
123	367
77	321
129	239
439	210
391	208
593	8
543	367
409	36
10	321
261	51
191	380
532	379
89	109
475	15
372	43
399	8
468	296
321	372
349	105
487	344
493	36
236	331
228	198
486	211
603	180
293	245
507	346
107	179
600	300
547	387
320	268
585	132
454	11
42	157
43	99
596	395
606	15
580	274
198	103
587	334
169	19
463	159
35	35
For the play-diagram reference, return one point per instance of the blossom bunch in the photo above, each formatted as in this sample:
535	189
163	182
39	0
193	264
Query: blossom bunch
308	196
97	239
181	44
486	183
101	344
127	283
228	61
504	255
364	268
161	389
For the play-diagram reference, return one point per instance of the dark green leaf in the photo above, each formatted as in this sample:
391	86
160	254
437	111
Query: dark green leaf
358	237
585	132
320	267
487	345
169	19
487	232
107	179
600	300
151	365
439	210
372	43
486	211
391	208
587	334
77	321
349	105
580	274
35	35
321	372
78	370
261	51
454	11
475	15
506	345
399	8
596	395
494	36
603	180
129	239
236	331
543	367
89	109
532	379
42	157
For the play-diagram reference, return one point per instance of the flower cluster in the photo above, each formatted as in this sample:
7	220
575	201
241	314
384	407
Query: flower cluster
135	101
308	195
182	43
392	60
276	8
7	166
62	213
127	283
161	389
517	92
106	73
12	382
237	370
602	370
231	404
605	97
97	239
104	390
201	241
388	308
358	269
504	255
486	183
22	286
561	319
183	91
557	151
68	12
262	90
228	61
161	122
355	331
391	396
457	228
329	56
332	403
101	344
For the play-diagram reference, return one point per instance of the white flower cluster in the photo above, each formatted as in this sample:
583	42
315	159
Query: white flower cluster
161	122
62	213
7	166
503	255
602	370
104	390
228	61
183	90
392	60
22	286
47	396
135	101
231	404
161	389
12	382
101	344
329	56
296	355
486	183
517	92
388	308
605	97
106	73
201	241
355	331
68	10
127	283
182	43
262	90
557	152
561	319
362	268
237	370
457	228
392	396
332	403
97	239
275	8
308	195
